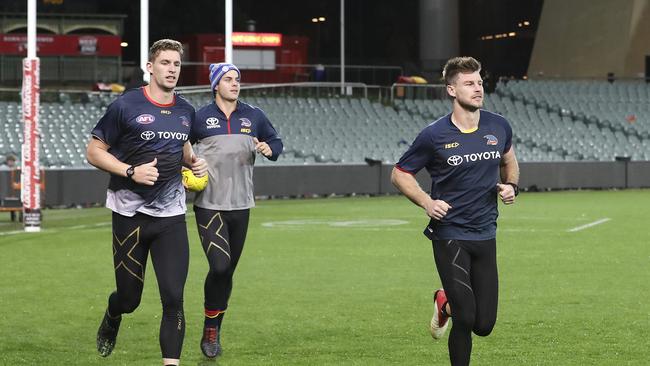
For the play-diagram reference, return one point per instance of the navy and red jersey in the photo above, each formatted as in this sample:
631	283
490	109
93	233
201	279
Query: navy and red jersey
464	169
138	129
227	146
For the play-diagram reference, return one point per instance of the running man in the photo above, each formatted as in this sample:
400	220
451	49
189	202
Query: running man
227	133
142	140
465	152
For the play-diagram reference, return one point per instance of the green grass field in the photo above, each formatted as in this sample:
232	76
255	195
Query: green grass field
347	281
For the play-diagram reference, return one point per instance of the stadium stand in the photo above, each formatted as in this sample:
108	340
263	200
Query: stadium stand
581	120
552	120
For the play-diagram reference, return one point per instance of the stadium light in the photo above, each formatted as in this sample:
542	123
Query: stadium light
321	19
124	44
314	20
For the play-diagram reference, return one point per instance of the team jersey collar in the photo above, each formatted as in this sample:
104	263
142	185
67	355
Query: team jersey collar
453	125
146	95
237	105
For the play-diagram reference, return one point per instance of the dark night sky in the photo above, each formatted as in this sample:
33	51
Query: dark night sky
379	32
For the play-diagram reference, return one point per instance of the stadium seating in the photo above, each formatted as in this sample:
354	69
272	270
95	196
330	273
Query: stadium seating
552	121
581	120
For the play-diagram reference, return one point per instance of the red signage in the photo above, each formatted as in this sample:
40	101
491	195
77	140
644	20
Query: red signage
62	45
31	178
247	39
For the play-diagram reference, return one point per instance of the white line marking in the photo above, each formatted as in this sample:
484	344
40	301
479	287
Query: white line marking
52	231
361	223
12	232
76	227
586	226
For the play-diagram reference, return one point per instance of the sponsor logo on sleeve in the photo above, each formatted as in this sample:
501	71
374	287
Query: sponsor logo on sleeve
145	119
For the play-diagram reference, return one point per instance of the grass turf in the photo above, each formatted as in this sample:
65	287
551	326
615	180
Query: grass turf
326	282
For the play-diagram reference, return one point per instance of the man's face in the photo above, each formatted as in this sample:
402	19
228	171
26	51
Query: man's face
468	90
228	88
165	69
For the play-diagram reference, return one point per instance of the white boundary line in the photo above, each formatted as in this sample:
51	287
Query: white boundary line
77	227
586	226
59	229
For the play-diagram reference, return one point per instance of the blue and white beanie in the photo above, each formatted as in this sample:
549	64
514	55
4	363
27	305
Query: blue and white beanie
217	71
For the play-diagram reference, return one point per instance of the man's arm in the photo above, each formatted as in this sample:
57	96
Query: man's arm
198	165
509	170
188	152
509	167
98	155
408	185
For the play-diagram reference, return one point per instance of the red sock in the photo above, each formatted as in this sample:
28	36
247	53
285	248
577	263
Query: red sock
213	317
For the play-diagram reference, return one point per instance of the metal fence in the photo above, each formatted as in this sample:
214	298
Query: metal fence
196	73
64	70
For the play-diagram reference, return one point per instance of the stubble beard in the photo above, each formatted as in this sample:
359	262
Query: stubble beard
469	107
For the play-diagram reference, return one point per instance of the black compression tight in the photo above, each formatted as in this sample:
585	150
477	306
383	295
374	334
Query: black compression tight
468	271
166	239
222	234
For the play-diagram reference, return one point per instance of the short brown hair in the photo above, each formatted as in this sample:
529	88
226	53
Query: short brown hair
164	45
456	65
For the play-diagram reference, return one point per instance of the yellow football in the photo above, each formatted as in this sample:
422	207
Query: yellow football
193	183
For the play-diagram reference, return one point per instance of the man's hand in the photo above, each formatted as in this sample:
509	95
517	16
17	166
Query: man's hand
436	209
262	147
199	166
506	193
146	174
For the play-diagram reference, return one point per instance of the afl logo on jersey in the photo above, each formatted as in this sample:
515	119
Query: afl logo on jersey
455	160
245	122
212	122
491	139
147	135
145	119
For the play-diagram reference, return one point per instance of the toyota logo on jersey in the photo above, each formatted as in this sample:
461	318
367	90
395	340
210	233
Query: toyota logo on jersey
455	160
147	135
212	122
